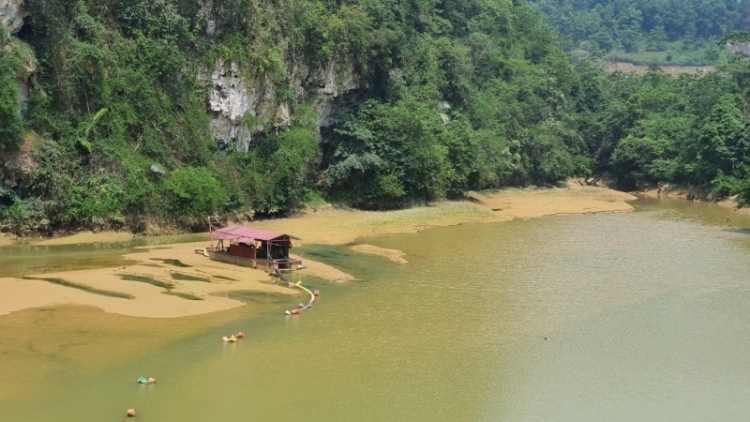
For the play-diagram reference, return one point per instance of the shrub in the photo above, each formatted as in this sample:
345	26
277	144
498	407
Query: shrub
193	192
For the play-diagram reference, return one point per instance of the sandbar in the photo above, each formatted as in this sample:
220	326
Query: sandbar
394	255
6	240
208	280
86	237
332	226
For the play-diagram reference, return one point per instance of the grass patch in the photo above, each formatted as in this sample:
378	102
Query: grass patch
188	277
144	279
84	287
221	277
439	211
175	262
184	295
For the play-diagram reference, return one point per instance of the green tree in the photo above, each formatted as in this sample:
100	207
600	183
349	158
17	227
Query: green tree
193	192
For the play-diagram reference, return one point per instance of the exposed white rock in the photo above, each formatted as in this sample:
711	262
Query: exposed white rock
283	117
23	98
16	164
204	14
12	13
739	48
242	106
231	98
328	83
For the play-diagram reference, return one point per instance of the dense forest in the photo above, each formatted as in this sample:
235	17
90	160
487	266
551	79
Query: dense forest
646	31
450	96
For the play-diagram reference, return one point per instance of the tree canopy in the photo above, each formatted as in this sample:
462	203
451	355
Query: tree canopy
647	31
457	96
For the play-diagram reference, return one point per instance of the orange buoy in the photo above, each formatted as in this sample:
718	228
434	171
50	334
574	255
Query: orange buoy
295	311
131	412
240	334
316	293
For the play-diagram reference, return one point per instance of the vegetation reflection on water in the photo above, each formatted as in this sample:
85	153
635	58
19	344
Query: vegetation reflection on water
635	316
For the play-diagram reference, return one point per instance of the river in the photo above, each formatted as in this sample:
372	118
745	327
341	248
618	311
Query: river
609	317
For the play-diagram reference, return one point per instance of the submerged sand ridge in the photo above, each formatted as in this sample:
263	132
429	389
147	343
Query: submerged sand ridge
178	266
207	280
5	240
394	255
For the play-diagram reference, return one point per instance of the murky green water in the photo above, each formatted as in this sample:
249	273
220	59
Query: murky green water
618	317
17	261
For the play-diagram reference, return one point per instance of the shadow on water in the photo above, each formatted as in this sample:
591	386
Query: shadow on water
739	230
255	297
345	259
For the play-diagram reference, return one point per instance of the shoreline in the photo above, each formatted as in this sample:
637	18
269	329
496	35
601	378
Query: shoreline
683	193
329	226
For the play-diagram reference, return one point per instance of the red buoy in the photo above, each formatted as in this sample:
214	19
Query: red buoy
295	311
240	334
316	293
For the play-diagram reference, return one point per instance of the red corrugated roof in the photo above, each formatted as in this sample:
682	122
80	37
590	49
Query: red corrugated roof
246	234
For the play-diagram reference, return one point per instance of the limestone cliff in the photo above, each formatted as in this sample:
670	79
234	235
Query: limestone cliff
16	164
12	13
241	107
241	104
739	48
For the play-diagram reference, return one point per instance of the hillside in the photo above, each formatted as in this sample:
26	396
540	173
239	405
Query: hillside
676	32
138	111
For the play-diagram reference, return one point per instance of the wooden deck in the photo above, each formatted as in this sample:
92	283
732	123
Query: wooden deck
283	264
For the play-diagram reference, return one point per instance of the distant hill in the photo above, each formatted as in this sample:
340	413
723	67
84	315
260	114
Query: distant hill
679	32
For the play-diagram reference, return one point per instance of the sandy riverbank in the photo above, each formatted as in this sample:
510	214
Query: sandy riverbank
78	238
681	192
338	227
327	226
6	240
87	237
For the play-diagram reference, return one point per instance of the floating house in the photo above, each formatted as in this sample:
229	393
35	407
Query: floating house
252	247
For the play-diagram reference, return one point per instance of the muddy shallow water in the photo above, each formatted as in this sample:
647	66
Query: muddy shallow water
638	316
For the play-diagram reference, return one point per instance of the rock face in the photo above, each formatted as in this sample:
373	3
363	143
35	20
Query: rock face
740	48
12	13
242	106
16	164
235	102
331	85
